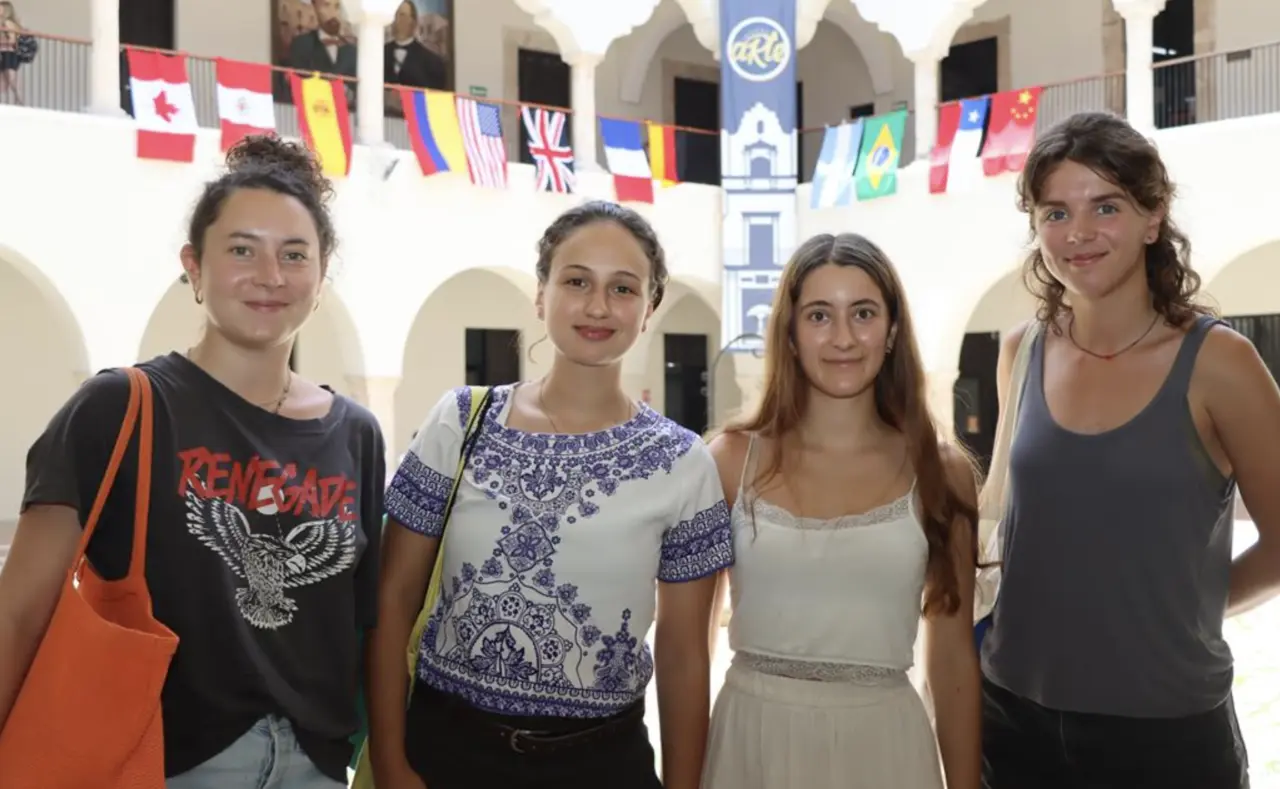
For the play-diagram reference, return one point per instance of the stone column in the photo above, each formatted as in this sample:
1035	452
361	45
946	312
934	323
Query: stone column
583	32
926	101
1138	80
924	30
583	95
369	77
104	57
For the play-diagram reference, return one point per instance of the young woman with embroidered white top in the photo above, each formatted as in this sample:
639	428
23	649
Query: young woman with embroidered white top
576	502
847	514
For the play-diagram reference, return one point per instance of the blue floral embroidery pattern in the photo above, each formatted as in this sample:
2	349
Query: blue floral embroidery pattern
510	636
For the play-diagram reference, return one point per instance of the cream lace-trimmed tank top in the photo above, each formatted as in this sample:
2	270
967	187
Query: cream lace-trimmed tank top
826	599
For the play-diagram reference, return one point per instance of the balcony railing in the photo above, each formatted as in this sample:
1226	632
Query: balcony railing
1217	86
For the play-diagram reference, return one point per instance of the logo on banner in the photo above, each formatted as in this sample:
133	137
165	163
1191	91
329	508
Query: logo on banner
758	49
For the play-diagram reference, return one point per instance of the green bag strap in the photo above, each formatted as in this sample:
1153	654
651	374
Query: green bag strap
480	398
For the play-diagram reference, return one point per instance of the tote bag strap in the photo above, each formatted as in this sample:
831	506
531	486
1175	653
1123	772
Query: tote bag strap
481	397
138	417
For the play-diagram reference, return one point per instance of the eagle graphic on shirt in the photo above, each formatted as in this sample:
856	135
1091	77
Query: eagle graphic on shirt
270	564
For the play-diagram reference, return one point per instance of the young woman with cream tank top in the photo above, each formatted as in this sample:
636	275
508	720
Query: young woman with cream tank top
847	514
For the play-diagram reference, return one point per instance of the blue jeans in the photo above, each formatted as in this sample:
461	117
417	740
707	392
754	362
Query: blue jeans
265	757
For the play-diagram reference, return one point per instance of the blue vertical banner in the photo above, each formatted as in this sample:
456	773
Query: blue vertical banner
758	161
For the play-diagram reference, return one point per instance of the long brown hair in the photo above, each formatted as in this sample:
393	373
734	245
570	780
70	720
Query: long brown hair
1119	153
899	397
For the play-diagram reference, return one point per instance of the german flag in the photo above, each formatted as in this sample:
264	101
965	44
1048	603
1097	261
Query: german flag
662	154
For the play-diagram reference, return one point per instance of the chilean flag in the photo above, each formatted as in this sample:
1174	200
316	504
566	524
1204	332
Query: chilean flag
954	160
163	107
624	152
245	105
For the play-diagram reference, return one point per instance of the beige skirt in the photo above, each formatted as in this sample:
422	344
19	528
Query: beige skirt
770	732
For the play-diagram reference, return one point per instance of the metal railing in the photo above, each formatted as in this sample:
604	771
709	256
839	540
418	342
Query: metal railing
56	79
1217	86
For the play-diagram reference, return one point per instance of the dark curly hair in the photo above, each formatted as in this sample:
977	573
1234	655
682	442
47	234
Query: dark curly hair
1116	151
604	211
268	162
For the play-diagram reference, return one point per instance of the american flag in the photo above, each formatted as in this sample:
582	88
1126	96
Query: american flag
548	149
482	138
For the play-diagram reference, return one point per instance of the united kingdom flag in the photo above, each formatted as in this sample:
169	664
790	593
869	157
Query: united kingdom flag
550	152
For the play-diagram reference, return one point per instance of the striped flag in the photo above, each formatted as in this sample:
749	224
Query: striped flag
323	118
833	174
662	154
245	105
482	138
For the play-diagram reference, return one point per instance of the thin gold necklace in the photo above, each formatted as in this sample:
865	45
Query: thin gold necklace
272	406
542	404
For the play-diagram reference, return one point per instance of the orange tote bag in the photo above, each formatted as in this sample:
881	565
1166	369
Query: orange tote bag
88	713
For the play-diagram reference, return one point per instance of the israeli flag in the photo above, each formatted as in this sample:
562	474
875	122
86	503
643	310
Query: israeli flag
833	175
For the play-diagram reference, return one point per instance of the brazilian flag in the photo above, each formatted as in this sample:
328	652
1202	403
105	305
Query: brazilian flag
877	173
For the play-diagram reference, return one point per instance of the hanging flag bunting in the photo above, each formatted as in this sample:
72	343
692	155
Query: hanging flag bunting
481	125
245	105
758	161
1012	130
624	155
547	146
662	154
833	174
323	118
163	107
954	162
434	132
881	148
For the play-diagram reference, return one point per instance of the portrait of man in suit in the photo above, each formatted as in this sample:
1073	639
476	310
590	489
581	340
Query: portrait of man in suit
408	61
327	48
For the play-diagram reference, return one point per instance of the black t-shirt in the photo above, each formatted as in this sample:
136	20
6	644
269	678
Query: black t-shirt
262	550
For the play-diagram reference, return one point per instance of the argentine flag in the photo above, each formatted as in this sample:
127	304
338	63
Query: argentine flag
833	176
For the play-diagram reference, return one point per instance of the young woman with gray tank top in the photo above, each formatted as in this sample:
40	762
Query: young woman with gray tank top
1105	665
848	513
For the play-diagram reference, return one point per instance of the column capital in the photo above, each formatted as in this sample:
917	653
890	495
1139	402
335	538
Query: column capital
1133	10
584	28
373	12
924	28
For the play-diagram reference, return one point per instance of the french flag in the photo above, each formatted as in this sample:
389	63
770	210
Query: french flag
163	107
245	105
624	154
954	162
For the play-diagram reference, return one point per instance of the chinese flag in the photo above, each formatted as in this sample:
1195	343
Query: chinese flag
1010	131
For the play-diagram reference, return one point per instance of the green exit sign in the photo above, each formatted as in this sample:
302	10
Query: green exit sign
479	91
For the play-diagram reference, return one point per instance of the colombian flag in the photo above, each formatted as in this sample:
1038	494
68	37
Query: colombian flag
434	131
662	154
326	126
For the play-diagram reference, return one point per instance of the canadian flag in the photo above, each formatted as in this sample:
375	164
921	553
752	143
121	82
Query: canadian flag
245	105
163	107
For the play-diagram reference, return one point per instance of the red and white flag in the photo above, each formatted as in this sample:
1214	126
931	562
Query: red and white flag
245	105
163	107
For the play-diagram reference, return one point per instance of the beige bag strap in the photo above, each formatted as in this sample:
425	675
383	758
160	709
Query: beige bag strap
994	497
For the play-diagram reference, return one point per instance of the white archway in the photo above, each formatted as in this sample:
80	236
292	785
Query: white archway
435	353
42	346
1247	284
328	350
687	310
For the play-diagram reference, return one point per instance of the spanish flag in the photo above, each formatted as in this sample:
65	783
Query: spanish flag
662	154
325	123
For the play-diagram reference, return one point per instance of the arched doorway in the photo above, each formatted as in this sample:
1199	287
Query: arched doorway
42	347
685	343
1246	295
1006	304
476	329
327	350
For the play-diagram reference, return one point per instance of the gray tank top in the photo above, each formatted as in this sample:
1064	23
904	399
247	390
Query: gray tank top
1117	549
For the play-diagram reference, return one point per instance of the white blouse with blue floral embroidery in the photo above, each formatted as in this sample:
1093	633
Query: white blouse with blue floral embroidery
553	551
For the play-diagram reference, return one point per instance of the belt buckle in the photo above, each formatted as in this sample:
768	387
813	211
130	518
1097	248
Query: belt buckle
513	739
